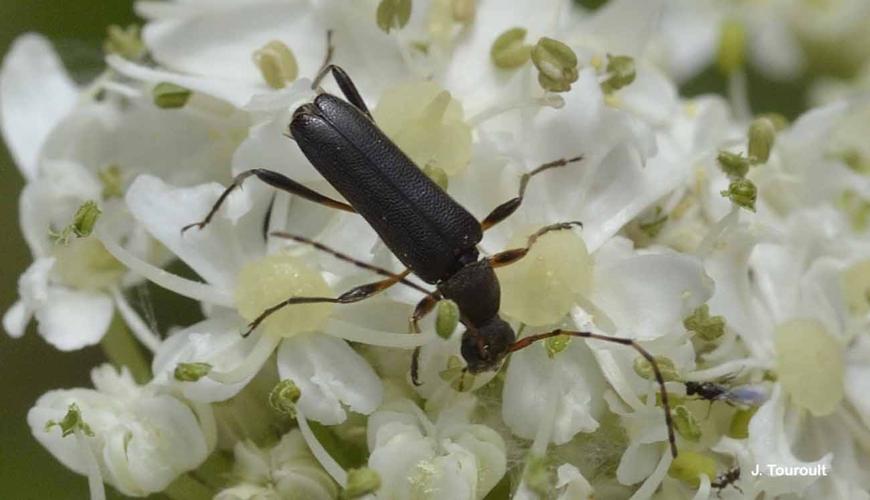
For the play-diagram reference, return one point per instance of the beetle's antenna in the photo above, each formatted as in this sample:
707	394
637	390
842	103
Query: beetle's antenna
672	439
327	59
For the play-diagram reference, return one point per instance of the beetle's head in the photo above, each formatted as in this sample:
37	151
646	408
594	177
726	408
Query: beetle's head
484	346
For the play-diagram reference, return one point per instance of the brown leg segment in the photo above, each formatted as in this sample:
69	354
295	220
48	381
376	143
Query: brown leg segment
527	341
507	208
423	308
275	180
508	257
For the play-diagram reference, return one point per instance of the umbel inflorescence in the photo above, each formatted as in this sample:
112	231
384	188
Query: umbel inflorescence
730	245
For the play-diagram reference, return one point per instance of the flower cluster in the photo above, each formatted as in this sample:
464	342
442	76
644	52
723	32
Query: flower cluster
727	253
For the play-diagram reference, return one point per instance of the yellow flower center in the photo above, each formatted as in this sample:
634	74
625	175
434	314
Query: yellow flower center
810	365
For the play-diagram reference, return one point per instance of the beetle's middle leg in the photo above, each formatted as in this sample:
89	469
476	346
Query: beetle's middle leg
507	208
508	257
278	181
423	308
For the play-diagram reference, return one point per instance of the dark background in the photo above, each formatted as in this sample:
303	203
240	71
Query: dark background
28	366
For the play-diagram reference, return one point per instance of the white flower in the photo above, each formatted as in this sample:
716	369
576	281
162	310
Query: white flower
448	458
142	439
287	470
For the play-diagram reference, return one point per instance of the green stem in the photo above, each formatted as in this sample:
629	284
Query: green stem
186	487
121	349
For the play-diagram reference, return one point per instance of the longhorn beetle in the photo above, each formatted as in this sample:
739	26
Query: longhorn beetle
430	233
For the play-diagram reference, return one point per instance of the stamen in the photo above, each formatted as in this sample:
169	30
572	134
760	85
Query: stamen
356	333
554	101
95	478
137	326
323	457
174	283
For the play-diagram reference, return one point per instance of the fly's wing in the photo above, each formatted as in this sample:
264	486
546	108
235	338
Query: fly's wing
748	395
418	221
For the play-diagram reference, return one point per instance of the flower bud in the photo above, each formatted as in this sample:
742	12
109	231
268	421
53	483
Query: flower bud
284	396
447	318
761	137
733	164
277	64
685	423
191	372
703	325
644	368
622	73
557	64
508	51
393	14
170	96
742	193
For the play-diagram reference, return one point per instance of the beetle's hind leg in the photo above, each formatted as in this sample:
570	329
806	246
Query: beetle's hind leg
527	341
346	85
507	208
278	181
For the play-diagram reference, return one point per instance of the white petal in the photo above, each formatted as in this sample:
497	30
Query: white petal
72	319
35	93
330	374
16	318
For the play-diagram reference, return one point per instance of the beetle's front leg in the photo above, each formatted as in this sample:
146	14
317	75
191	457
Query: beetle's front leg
423	308
508	257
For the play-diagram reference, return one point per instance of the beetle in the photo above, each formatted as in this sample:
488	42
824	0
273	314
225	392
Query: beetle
429	232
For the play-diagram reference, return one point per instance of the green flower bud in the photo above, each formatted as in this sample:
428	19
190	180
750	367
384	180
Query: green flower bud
685	423
742	193
689	465
393	14
438	176
191	372
71	422
361	482
703	325
447	318
739	426
761	136
732	47
283	398
622	73
82	225
733	164
112	180
556	63
666	366
555	345
125	42
277	64
508	51
170	96
540	475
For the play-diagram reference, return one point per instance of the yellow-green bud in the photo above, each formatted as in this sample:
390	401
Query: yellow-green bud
437	175
689	465
126	42
284	396
393	14
742	193
508	51
733	164
555	345
361	482
112	180
464	10
761	136
739	426
540	475
685	423
732	47
191	372
666	366
446	318
277	64
71	422
82	225
556	63
703	325
622	73
170	96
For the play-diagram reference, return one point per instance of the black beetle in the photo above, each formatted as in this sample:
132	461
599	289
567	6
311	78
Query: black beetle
429	232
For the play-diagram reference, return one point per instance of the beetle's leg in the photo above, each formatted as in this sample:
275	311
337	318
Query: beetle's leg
527	341
275	180
346	85
355	294
507	208
423	308
348	258
508	257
